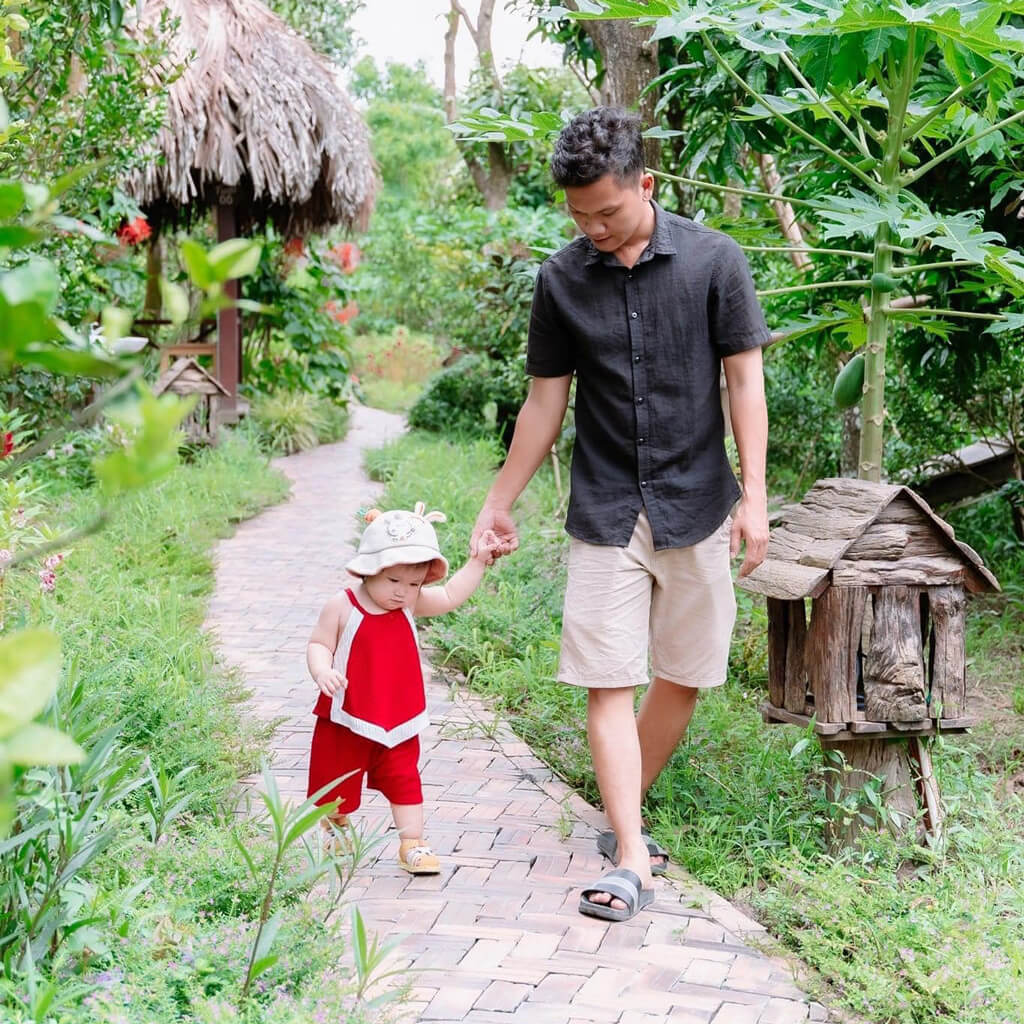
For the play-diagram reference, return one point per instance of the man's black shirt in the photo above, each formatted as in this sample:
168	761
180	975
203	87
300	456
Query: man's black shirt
646	345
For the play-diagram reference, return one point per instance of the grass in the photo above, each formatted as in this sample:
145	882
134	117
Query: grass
286	422
392	368
158	923
904	935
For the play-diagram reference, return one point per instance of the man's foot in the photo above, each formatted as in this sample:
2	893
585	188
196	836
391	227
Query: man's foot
616	896
608	846
416	857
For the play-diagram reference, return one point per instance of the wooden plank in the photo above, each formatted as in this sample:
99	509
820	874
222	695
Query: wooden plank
932	572
947	657
823	554
777	635
894	681
832	643
771	713
795	680
832	733
783	580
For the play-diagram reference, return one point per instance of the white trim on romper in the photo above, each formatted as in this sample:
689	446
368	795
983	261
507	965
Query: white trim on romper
370	730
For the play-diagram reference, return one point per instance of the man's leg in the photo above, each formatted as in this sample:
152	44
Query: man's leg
615	751
661	723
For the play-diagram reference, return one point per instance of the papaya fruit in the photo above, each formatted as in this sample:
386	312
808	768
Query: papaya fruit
849	385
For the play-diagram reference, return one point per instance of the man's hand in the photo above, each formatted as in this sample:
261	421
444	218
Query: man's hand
331	682
750	525
501	524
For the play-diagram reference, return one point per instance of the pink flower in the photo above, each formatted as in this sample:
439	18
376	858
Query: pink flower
54	560
6	557
47	580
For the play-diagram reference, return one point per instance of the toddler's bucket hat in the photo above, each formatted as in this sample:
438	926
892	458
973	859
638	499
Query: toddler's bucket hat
398	537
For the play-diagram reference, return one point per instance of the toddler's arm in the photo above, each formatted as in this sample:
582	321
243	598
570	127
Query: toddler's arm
446	596
323	642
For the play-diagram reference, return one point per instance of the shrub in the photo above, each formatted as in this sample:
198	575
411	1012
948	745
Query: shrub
476	396
292	421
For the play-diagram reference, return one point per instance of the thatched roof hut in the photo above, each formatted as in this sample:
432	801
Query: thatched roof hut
257	121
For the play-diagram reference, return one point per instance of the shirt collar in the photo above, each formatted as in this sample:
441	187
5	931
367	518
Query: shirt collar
661	243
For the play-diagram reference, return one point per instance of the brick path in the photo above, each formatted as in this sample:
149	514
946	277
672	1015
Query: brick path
497	936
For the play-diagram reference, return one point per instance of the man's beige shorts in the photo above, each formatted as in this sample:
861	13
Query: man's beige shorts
682	598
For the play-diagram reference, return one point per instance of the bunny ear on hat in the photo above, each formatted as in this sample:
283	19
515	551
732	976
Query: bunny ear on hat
420	509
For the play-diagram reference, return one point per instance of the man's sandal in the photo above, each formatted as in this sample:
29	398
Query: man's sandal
417	858
621	884
608	846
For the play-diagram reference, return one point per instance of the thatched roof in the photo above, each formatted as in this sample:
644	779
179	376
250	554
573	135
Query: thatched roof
824	530
257	119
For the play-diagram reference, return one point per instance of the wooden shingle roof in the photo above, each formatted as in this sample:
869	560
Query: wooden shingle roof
823	531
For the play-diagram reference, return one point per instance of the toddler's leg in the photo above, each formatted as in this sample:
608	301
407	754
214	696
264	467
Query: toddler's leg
413	852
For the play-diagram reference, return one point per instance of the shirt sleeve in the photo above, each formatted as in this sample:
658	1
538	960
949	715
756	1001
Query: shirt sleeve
735	319
549	350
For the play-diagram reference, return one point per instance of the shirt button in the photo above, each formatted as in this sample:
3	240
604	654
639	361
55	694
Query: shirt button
640	400
641	440
633	315
636	359
629	277
643	483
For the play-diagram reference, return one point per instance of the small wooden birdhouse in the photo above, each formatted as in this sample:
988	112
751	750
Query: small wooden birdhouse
881	652
187	377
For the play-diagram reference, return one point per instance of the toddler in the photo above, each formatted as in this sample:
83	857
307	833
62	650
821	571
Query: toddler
364	657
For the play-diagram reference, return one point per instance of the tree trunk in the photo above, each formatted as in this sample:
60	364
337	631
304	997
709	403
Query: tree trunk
862	761
788	224
630	62
493	178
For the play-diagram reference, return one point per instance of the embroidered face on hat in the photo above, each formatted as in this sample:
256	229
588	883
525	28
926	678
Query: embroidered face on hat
398	537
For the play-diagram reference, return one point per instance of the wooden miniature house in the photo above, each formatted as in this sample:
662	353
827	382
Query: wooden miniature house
866	591
187	377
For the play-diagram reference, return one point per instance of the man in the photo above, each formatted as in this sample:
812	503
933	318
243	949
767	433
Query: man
644	308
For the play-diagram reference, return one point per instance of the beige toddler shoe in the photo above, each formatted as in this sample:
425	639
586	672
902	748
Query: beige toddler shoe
417	858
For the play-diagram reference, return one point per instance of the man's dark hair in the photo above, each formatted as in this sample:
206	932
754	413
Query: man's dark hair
605	140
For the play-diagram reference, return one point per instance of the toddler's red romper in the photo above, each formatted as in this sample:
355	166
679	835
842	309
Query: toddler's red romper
373	730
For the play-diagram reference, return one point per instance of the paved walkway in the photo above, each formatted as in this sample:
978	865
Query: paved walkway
497	936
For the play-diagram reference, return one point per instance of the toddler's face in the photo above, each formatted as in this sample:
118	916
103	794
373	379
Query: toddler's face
397	586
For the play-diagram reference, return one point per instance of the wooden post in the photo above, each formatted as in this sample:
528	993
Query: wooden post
229	324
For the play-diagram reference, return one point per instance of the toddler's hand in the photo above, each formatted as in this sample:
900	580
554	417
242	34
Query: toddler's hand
331	682
488	547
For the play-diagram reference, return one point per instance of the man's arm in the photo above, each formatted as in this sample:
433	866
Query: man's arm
537	427
744	376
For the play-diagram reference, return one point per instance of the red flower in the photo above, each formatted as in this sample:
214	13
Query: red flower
294	247
342	313
346	255
134	231
8	445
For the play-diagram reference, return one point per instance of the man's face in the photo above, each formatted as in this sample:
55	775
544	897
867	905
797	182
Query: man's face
609	212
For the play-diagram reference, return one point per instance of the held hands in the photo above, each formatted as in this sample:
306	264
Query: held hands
500	525
488	547
331	682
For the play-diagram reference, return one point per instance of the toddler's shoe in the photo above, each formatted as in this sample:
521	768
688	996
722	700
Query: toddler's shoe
334	839
417	858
